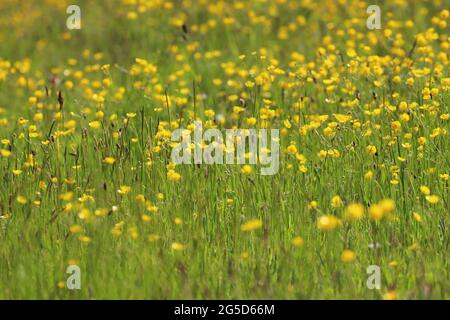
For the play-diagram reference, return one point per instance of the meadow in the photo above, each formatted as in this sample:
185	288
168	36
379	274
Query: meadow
86	118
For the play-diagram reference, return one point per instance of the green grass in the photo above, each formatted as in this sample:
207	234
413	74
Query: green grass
219	260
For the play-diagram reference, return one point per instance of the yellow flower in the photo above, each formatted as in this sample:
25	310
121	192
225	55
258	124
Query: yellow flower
297	241
95	124
209	113
153	237
176	246
5	153
433	199
124	190
21	199
109	160
287	124
22	121
84	214
336	202
327	222
396	125
131	15
133	232
173	176
291	149
244	255
393	264
422	141
348	256
84	239
425	190
303	169
72	262
101	212
252	225
150	207
388	205
354	211
76	228
118	229
342	118
67	196
313	205
246	169
42	185
417	217
444	14
140	198
376	212
371	149
251	121
390	295
32	100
